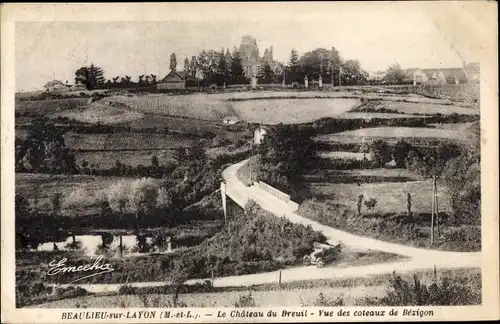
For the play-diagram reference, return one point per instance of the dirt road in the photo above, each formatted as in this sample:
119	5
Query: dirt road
419	259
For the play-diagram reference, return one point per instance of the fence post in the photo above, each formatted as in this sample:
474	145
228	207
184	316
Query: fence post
279	281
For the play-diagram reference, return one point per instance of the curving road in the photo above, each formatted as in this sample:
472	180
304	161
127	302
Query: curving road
240	194
417	258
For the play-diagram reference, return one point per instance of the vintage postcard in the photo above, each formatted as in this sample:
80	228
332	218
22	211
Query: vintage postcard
249	162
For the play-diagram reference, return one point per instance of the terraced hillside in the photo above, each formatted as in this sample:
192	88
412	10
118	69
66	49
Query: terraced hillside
189	106
125	141
46	107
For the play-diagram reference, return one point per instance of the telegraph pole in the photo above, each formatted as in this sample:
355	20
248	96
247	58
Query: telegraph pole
436	206
433	207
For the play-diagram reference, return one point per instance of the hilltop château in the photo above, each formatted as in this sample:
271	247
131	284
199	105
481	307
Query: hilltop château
251	59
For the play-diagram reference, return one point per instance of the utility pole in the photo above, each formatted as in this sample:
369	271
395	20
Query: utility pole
436	206
432	213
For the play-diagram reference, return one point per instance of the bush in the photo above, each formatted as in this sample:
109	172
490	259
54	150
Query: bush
322	301
370	203
444	292
380	153
246	300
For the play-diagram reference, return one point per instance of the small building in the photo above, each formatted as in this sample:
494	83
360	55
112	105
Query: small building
472	71
230	120
440	76
259	134
78	87
175	81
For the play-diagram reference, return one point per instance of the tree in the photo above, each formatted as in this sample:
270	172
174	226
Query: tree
380	153
193	66
316	63
228	60
396	75
401	150
92	76
408	204
173	62
21	205
294	74
186	267
143	195
222	74
55	200
237	74
118	196
265	74
44	150
154	161
352	74
335	62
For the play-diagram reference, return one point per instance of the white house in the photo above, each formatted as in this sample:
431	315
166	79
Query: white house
259	134
230	120
439	76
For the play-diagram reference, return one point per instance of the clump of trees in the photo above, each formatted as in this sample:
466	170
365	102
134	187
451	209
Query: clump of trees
44	150
91	76
286	152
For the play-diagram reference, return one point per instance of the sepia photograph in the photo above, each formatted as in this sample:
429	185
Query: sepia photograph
316	164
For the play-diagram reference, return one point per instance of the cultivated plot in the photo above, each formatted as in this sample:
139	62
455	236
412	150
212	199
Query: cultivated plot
274	111
391	196
125	141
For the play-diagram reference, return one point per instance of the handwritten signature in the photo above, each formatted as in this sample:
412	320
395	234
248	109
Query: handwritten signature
57	267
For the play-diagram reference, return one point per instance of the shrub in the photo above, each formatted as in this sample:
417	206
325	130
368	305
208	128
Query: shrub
127	290
325	302
246	300
380	152
443	292
370	203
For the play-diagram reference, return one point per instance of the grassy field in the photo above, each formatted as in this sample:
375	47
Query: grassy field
46	107
344	155
394	133
362	176
427	108
274	298
125	141
390	196
133	158
301	293
291	110
189	106
371	115
80	193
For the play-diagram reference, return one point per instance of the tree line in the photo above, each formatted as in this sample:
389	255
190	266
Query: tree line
225	67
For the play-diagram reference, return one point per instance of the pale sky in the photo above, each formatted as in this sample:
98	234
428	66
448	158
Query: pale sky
377	36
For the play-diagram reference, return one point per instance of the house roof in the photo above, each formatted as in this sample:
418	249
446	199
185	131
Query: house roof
184	75
457	73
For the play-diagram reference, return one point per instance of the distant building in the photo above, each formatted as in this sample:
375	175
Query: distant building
259	134
174	81
377	77
78	87
468	73
251	60
230	120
